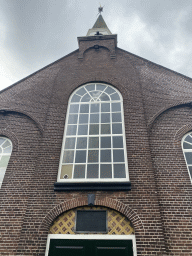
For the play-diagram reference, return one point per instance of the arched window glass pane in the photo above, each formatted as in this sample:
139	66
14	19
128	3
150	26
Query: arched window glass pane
94	146
187	151
5	153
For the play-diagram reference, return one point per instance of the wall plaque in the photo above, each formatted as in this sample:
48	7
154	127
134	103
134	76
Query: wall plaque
91	221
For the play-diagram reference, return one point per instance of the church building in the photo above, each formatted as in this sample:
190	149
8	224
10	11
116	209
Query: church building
96	156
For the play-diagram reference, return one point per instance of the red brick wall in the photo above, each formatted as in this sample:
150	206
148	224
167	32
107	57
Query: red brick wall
17	185
29	201
173	182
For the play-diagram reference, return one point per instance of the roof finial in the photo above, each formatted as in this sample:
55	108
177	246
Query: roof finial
100	9
100	27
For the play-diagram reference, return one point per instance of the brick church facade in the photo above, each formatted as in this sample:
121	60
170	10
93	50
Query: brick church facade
68	156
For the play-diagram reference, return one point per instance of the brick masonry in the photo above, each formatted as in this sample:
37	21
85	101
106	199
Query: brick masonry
157	115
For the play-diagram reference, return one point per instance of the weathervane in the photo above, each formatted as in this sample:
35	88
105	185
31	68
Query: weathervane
100	9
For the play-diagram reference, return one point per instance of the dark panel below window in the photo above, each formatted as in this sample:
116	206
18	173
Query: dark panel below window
92	186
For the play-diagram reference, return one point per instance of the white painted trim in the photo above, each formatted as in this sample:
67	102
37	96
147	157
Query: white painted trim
5	154
95	237
186	150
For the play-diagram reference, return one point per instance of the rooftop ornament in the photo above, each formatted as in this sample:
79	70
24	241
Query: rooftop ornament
100	9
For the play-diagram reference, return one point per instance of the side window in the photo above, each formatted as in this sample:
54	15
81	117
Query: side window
5	153
94	147
187	151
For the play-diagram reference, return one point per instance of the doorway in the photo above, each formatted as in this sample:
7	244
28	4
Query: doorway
94	245
95	231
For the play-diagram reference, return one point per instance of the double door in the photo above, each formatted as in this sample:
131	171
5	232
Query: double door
87	247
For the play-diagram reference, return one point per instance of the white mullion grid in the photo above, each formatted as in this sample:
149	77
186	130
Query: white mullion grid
82	97
111	134
88	93
112	93
99	135
99	148
101	93
78	95
4	143
190	173
87	139
124	140
70	136
4	154
94	102
184	140
187	142
99	151
111	140
122	135
2	149
5	148
73	169
184	151
65	136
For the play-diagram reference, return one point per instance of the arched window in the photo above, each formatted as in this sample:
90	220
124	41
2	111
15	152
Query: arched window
94	147
187	151
5	153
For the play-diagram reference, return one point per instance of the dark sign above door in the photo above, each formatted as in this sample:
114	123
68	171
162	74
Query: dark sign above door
88	221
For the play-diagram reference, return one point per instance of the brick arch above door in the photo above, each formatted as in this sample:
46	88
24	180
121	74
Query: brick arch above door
79	202
117	223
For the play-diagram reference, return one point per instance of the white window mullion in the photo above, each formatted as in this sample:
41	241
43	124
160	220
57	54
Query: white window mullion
4	157
111	142
75	143
99	136
87	141
187	151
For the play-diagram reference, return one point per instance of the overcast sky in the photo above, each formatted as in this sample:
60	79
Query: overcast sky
35	33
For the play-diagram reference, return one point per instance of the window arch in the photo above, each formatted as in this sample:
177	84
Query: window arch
5	153
187	151
94	146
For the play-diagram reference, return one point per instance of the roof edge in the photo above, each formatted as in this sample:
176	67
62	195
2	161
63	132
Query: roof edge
184	76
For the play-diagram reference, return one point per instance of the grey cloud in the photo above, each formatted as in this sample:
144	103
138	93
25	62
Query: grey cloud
40	32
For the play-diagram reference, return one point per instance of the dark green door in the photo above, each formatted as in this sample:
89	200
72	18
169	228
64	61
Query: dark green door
68	247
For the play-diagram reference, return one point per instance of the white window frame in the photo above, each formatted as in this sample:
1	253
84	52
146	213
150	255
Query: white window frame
92	237
5	154
99	180
187	150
